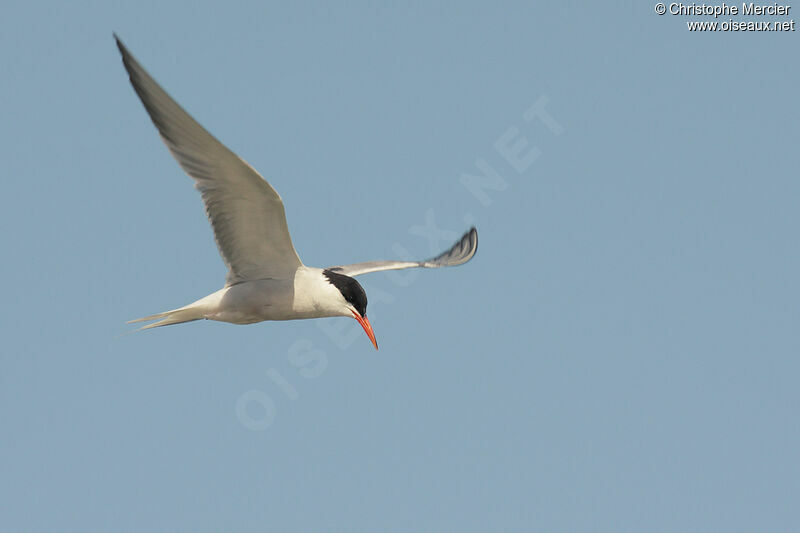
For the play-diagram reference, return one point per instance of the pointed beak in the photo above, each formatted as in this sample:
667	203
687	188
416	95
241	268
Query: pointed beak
364	321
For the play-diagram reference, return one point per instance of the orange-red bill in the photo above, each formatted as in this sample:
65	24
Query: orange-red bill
364	321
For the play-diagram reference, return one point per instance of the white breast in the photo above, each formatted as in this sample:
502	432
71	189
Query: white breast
307	295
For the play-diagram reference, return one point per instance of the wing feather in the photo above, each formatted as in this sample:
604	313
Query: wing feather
461	252
245	212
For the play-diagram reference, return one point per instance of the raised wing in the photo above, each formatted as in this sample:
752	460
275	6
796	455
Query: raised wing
245	212
461	252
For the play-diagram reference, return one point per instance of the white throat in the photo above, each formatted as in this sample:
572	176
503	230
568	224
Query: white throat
316	297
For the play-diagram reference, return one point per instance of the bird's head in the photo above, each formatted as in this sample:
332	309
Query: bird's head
354	300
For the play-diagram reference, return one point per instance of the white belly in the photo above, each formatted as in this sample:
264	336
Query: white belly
307	295
253	301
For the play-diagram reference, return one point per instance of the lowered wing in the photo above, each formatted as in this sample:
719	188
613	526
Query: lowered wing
461	252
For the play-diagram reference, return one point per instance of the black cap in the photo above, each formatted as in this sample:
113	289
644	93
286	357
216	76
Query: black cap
352	290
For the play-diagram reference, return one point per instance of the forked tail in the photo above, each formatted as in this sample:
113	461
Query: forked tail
176	316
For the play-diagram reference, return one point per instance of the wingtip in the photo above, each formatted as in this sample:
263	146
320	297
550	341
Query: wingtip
473	234
469	241
120	45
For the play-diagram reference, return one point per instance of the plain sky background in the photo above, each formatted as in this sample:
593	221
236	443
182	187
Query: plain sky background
620	355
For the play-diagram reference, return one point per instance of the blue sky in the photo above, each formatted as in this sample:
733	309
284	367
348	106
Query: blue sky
621	354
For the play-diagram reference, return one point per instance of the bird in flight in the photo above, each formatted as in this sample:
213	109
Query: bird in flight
266	279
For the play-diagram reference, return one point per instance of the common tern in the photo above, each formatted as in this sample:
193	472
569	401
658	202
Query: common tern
266	279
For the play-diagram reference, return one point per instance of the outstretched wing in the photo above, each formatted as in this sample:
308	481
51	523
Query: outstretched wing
245	212
461	252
